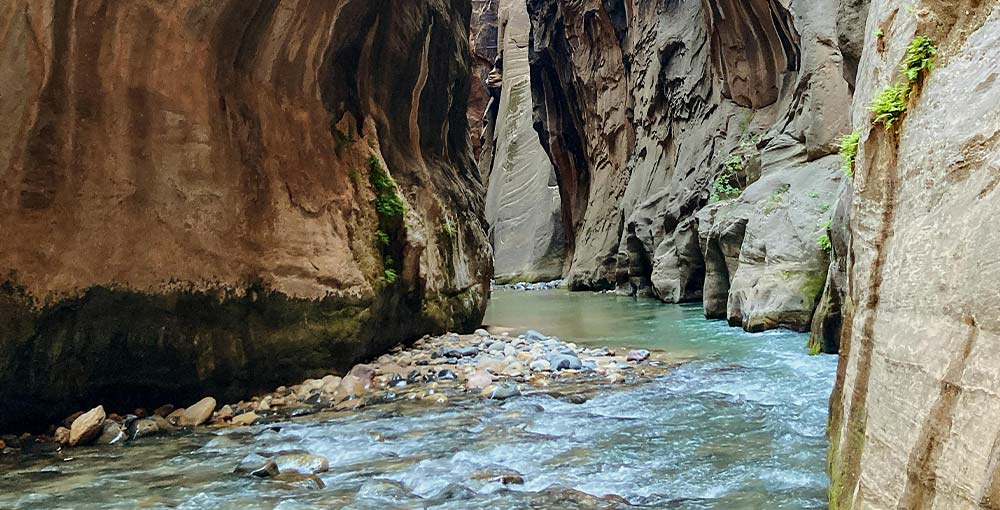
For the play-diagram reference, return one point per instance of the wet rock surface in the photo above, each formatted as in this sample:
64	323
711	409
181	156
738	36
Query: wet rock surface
434	370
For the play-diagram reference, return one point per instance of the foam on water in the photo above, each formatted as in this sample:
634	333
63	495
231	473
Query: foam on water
740	426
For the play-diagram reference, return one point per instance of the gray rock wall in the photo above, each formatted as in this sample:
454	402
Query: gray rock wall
663	100
523	206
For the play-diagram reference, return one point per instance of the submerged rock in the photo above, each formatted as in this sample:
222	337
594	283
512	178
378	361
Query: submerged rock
257	465
305	463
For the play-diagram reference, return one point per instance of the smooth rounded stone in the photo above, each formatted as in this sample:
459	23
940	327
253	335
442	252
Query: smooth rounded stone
305	463
479	380
111	433
496	347
561	361
330	384
482	332
499	475
257	465
524	356
501	391
413	376
245	419
535	336
540	365
61	436
637	355
509	350
197	414
597	353
364	373
447	375
87	427
492	364
143	427
350	387
298	481
460	352
224	413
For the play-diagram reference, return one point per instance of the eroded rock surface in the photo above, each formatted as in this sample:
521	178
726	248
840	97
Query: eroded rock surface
662	105
189	194
913	419
522	201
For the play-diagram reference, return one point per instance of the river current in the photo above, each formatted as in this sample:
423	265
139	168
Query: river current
740	424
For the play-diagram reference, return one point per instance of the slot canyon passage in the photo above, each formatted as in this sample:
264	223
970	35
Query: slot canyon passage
516	254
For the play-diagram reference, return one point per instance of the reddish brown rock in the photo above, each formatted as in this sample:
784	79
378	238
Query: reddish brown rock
206	201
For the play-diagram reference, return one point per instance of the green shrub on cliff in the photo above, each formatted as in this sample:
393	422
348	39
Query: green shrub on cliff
890	105
849	151
387	202
920	56
727	184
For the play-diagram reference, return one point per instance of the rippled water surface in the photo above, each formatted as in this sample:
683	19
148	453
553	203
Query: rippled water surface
741	426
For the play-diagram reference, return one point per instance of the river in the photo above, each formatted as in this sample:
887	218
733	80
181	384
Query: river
739	425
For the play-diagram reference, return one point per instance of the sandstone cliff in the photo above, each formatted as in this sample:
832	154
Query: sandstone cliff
218	197
694	143
913	419
522	201
483	43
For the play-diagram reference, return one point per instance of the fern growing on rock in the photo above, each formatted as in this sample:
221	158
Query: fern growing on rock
920	55
849	151
890	105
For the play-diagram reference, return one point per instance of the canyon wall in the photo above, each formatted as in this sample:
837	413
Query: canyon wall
220	197
523	205
695	144
913	417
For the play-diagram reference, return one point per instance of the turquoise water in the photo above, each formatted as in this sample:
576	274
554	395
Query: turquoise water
740	426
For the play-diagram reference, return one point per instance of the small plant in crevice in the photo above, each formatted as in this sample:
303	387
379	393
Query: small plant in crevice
849	151
920	55
733	179
727	184
390	210
391	276
824	241
448	230
891	104
387	202
776	198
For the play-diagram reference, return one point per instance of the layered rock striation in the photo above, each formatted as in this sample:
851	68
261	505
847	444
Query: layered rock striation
221	197
913	417
694	144
523	206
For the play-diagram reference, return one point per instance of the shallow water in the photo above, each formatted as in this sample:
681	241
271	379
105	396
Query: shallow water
739	427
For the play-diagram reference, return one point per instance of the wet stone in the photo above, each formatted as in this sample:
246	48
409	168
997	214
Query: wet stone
257	465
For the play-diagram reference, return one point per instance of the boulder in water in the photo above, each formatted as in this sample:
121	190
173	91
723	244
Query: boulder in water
87	427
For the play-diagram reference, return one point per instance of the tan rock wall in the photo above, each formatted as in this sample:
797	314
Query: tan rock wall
913	420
